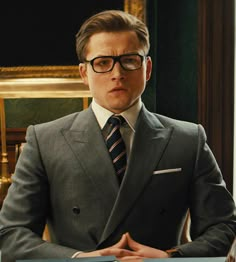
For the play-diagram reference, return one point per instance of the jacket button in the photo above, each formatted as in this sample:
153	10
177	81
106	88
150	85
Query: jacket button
76	210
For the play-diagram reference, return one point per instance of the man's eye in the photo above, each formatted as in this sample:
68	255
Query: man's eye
102	62
129	60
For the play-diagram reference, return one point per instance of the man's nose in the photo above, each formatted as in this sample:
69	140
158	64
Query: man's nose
117	69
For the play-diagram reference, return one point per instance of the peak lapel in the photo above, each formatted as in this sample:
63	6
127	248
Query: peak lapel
87	143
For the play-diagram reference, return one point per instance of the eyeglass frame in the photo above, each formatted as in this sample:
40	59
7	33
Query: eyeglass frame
116	59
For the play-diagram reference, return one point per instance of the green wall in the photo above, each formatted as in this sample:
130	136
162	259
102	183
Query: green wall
21	113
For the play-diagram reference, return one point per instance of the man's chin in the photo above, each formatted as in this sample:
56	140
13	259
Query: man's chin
117	109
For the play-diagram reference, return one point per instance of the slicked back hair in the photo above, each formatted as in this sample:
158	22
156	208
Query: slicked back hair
110	21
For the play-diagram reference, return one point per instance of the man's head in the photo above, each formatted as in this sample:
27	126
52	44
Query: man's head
110	21
112	47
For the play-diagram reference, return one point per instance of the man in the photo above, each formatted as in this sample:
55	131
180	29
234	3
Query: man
65	175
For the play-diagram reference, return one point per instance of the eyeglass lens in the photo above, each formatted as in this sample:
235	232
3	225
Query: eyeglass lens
106	63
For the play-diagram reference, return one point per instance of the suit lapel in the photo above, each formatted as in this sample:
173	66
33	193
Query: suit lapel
150	141
87	143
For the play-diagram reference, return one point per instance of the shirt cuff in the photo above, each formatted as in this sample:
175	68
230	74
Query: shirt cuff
77	254
174	252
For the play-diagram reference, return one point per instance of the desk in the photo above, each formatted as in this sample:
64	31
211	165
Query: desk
112	259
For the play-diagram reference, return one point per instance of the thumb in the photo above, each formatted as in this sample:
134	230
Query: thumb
122	243
135	246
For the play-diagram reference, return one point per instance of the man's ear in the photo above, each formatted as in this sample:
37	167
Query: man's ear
83	73
148	68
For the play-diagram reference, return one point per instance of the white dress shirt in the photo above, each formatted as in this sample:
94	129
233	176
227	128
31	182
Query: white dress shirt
127	130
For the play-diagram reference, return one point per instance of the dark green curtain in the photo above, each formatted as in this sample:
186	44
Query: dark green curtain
173	30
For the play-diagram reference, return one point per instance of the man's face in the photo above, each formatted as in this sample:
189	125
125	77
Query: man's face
118	89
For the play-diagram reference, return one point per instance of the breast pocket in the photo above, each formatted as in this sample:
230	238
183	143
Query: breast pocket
168	171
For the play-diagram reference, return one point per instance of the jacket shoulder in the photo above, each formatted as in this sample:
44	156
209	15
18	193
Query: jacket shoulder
61	122
181	127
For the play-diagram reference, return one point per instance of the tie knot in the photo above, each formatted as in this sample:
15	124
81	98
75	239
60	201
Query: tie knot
116	120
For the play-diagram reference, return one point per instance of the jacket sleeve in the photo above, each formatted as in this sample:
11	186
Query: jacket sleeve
25	209
212	208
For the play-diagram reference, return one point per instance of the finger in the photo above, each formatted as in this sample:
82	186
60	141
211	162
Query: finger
131	259
132	243
122	243
117	252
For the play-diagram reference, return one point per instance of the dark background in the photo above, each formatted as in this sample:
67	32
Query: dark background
40	33
34	33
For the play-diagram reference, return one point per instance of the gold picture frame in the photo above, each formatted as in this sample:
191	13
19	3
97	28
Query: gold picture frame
135	7
44	82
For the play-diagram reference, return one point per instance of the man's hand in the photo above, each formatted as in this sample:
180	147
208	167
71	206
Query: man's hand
119	250
127	249
144	251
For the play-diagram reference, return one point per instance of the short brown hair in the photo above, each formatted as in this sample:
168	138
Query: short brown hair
110	21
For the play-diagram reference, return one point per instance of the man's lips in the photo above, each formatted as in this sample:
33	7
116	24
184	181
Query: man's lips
117	89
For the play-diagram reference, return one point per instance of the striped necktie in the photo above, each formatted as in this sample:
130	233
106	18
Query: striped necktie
116	146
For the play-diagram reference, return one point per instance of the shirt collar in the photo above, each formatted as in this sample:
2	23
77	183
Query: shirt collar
130	115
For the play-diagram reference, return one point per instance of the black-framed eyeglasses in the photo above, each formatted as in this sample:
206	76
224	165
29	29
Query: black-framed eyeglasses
129	62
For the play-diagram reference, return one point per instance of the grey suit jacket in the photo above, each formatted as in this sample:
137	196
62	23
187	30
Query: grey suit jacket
65	177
